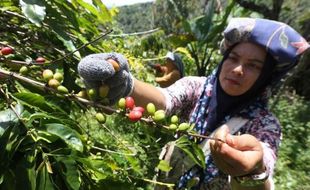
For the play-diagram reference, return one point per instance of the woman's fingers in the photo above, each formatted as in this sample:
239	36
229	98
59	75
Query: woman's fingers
239	155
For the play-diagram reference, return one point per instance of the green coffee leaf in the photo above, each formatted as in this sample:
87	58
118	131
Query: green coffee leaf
164	166
70	136
34	10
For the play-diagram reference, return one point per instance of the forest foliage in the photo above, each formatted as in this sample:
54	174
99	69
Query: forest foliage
53	140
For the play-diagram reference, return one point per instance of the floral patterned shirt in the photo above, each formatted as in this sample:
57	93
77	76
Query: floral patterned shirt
182	97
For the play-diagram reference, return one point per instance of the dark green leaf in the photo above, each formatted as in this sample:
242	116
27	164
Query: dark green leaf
71	174
99	169
4	140
8	180
34	100
192	150
70	136
25	171
46	136
44	180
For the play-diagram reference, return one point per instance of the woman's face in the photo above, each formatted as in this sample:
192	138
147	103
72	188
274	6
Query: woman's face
242	68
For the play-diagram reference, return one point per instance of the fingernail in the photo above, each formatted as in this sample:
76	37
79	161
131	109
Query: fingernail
229	139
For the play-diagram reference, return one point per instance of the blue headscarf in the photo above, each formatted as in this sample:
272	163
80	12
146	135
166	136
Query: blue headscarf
283	45
177	61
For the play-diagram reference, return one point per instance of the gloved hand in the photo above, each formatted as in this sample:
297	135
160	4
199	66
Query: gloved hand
95	69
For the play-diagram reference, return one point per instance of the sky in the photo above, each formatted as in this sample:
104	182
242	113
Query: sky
110	3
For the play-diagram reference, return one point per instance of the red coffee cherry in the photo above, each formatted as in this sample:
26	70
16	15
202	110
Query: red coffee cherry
130	103
138	108
6	51
134	115
40	60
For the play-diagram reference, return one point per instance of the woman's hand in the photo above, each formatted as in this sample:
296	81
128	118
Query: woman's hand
110	69
240	155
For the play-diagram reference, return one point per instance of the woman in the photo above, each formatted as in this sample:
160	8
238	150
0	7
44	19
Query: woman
257	53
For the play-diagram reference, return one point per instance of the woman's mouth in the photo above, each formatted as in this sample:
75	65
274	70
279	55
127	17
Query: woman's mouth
232	81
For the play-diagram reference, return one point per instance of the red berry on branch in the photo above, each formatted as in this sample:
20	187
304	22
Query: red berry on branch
6	51
130	103
40	60
138	108
134	115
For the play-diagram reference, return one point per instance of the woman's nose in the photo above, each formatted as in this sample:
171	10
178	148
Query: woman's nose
238	69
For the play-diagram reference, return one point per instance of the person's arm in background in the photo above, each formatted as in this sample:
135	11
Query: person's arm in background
168	79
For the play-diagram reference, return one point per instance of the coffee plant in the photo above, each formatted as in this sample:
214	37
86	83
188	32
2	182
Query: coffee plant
56	134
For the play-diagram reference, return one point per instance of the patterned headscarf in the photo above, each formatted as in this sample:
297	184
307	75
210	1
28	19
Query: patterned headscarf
281	42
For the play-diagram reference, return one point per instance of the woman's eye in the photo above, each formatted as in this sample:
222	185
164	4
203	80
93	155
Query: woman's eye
254	66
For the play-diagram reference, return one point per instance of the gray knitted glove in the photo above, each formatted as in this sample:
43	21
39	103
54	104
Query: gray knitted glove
96	70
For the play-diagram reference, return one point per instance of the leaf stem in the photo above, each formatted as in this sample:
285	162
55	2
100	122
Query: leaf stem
114	152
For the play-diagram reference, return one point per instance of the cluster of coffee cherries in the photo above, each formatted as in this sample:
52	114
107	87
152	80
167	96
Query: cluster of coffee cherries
95	94
5	51
135	113
25	70
54	80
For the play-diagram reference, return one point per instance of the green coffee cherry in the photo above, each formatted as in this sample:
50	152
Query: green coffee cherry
183	126
58	76
62	89
92	93
159	115
23	70
47	74
150	107
122	103
100	117
173	127
82	94
174	119
103	90
53	83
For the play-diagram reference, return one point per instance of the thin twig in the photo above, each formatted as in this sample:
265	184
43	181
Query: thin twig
135	33
206	137
114	152
84	45
22	78
159	183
